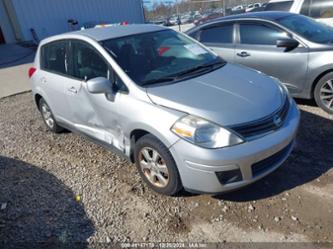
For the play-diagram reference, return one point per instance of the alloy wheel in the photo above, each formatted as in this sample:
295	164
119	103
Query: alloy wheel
153	167
326	94
47	115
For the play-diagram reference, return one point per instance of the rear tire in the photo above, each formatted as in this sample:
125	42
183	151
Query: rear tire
48	117
157	166
323	93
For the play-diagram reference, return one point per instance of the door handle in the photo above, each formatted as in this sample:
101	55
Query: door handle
72	89
243	54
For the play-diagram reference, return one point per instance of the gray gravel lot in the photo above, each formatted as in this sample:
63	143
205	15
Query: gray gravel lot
41	173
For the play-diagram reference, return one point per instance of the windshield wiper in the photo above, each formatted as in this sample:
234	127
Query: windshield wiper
201	68
178	76
159	80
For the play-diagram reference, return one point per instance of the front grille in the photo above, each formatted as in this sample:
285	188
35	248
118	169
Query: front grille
269	162
265	125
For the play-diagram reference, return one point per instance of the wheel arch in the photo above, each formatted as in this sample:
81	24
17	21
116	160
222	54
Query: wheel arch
139	132
37	98
317	79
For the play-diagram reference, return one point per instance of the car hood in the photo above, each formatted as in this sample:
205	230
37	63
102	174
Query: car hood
230	95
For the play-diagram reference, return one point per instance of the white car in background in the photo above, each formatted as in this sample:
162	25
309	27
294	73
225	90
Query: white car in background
252	6
321	10
238	7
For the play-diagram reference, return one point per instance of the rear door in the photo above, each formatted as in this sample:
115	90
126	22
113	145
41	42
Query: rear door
256	48
220	38
53	75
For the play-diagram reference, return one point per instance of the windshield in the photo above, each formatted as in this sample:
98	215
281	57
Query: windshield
310	29
161	56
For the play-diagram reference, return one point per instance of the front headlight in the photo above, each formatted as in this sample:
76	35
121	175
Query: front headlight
204	133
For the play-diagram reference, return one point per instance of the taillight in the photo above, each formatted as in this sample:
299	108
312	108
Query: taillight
31	72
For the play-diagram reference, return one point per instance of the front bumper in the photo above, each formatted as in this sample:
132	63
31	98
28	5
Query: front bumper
220	170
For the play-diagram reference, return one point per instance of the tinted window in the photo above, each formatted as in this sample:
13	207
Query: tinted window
308	28
53	57
260	34
279	6
87	63
220	34
321	9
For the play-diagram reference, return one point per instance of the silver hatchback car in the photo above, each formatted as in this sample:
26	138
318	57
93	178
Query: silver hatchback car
185	117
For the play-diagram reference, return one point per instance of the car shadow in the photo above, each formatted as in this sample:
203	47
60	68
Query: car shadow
35	206
311	158
308	102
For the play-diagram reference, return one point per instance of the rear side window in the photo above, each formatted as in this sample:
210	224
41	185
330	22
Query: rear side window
318	8
53	57
87	63
217	34
260	34
279	6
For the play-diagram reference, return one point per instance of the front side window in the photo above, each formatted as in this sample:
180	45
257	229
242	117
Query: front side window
279	6
53	57
217	34
308	28
260	34
161	56
87	63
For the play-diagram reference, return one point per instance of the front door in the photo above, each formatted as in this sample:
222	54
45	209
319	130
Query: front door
257	49
93	114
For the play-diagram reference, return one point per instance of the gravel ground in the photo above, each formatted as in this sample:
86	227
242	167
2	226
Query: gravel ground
41	174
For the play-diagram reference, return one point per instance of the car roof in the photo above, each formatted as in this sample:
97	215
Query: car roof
266	15
116	31
276	1
261	15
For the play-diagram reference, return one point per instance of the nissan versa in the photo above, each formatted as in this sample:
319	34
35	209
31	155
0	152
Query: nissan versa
185	117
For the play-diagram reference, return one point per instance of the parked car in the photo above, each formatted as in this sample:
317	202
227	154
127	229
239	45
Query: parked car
238	7
252	6
169	22
321	10
185	19
262	8
229	11
186	118
207	18
294	48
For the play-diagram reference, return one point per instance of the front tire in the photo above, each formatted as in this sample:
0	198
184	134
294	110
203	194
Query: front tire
48	117
323	93
157	166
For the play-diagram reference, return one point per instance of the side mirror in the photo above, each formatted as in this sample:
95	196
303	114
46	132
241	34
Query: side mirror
288	44
99	85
